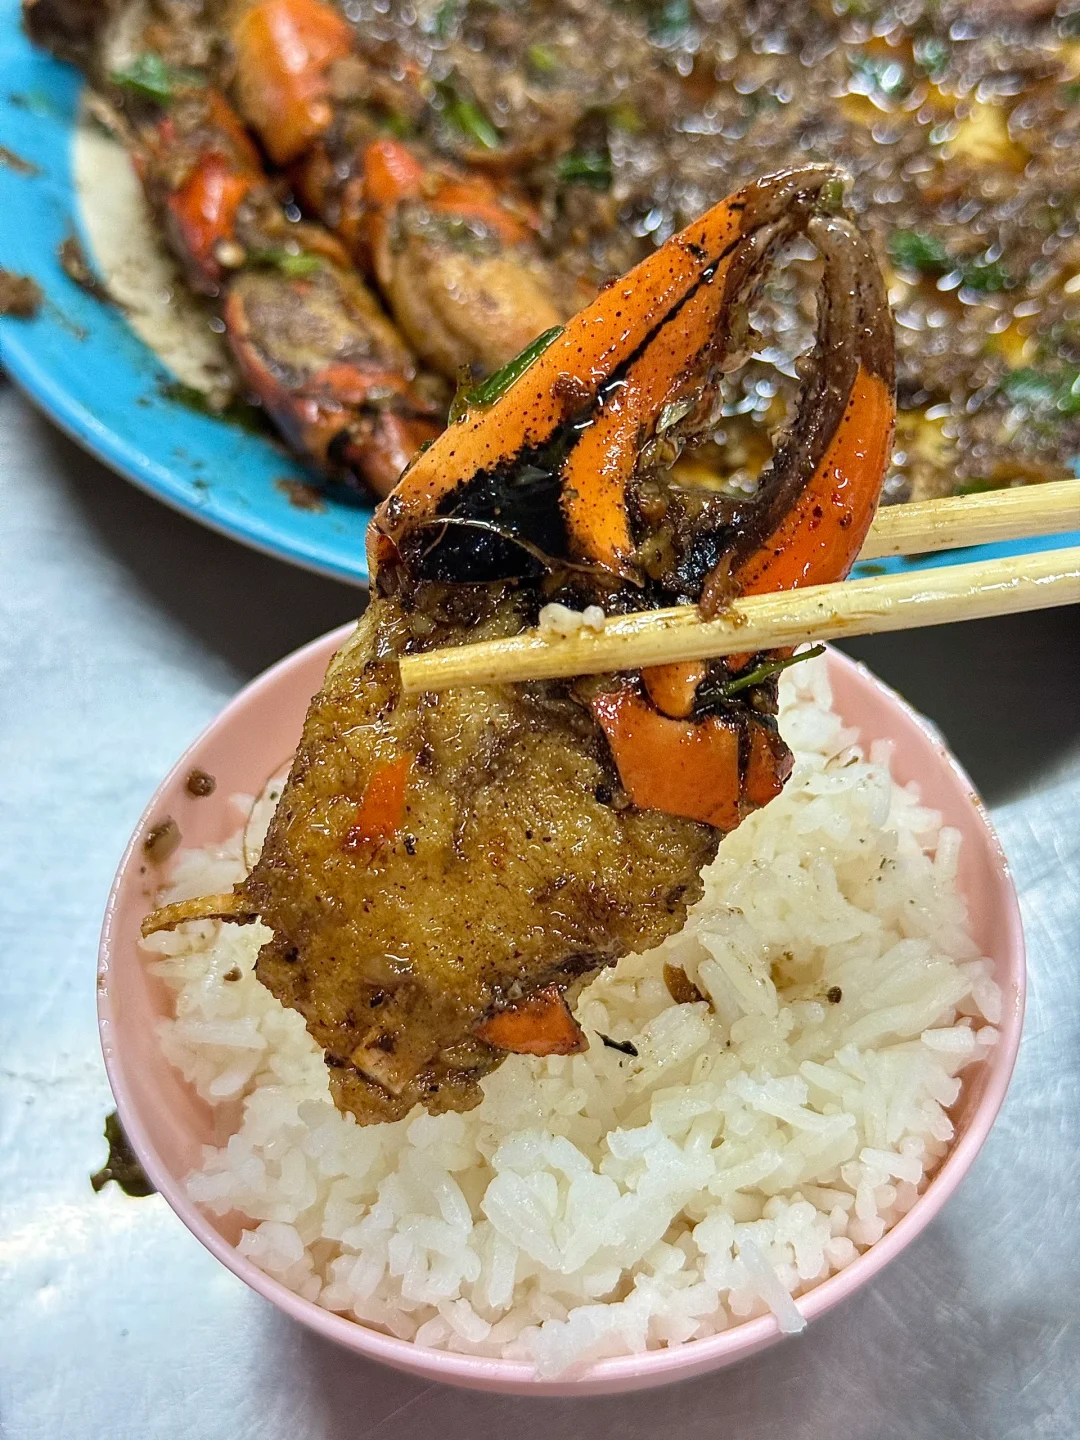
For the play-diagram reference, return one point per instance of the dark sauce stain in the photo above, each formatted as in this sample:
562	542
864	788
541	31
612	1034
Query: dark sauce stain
301	494
121	1166
199	784
20	297
77	268
161	840
16	163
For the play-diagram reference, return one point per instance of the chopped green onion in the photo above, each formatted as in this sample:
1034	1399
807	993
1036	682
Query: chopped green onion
879	73
542	59
1044	391
915	250
831	196
297	266
497	384
726	688
152	78
466	115
980	486
400	126
669	21
443	23
586	167
990	277
932	56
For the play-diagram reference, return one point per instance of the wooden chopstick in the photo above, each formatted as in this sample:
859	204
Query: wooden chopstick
957	520
759	622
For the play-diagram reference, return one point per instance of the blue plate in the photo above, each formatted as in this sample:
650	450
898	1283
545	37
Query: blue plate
84	366
86	369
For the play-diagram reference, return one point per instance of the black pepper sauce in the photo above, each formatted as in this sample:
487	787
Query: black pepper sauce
960	127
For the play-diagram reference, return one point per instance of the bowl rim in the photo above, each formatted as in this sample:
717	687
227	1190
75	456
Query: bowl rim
618	1372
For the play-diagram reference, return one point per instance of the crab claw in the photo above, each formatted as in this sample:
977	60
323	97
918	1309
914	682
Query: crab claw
199	168
284	53
557	478
456	259
579	418
322	359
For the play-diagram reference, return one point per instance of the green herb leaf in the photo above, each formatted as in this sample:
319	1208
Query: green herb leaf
1044	392
542	59
443	24
497	384
624	116
915	250
990	277
932	56
466	116
586	167
767	668
151	78
669	21
297	266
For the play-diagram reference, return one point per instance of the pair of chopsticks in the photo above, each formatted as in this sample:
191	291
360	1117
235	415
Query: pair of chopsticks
821	612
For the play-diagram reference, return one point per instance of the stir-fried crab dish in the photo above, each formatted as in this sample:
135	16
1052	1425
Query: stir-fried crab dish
380	198
444	871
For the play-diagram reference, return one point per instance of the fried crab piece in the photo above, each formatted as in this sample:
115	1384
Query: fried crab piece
444	871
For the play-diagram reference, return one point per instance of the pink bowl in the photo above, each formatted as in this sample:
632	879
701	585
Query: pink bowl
167	1123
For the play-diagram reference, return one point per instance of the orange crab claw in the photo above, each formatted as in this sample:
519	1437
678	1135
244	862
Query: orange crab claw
394	173
199	176
454	258
583	409
820	536
202	213
284	51
360	419
682	766
545	473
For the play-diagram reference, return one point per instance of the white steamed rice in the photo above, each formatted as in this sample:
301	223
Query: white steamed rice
603	1204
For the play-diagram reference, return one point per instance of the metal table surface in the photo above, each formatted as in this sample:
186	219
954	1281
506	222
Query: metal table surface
125	628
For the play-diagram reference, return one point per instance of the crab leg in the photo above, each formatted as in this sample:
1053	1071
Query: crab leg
311	342
455	255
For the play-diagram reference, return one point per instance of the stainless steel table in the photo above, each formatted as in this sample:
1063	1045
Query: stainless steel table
125	627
